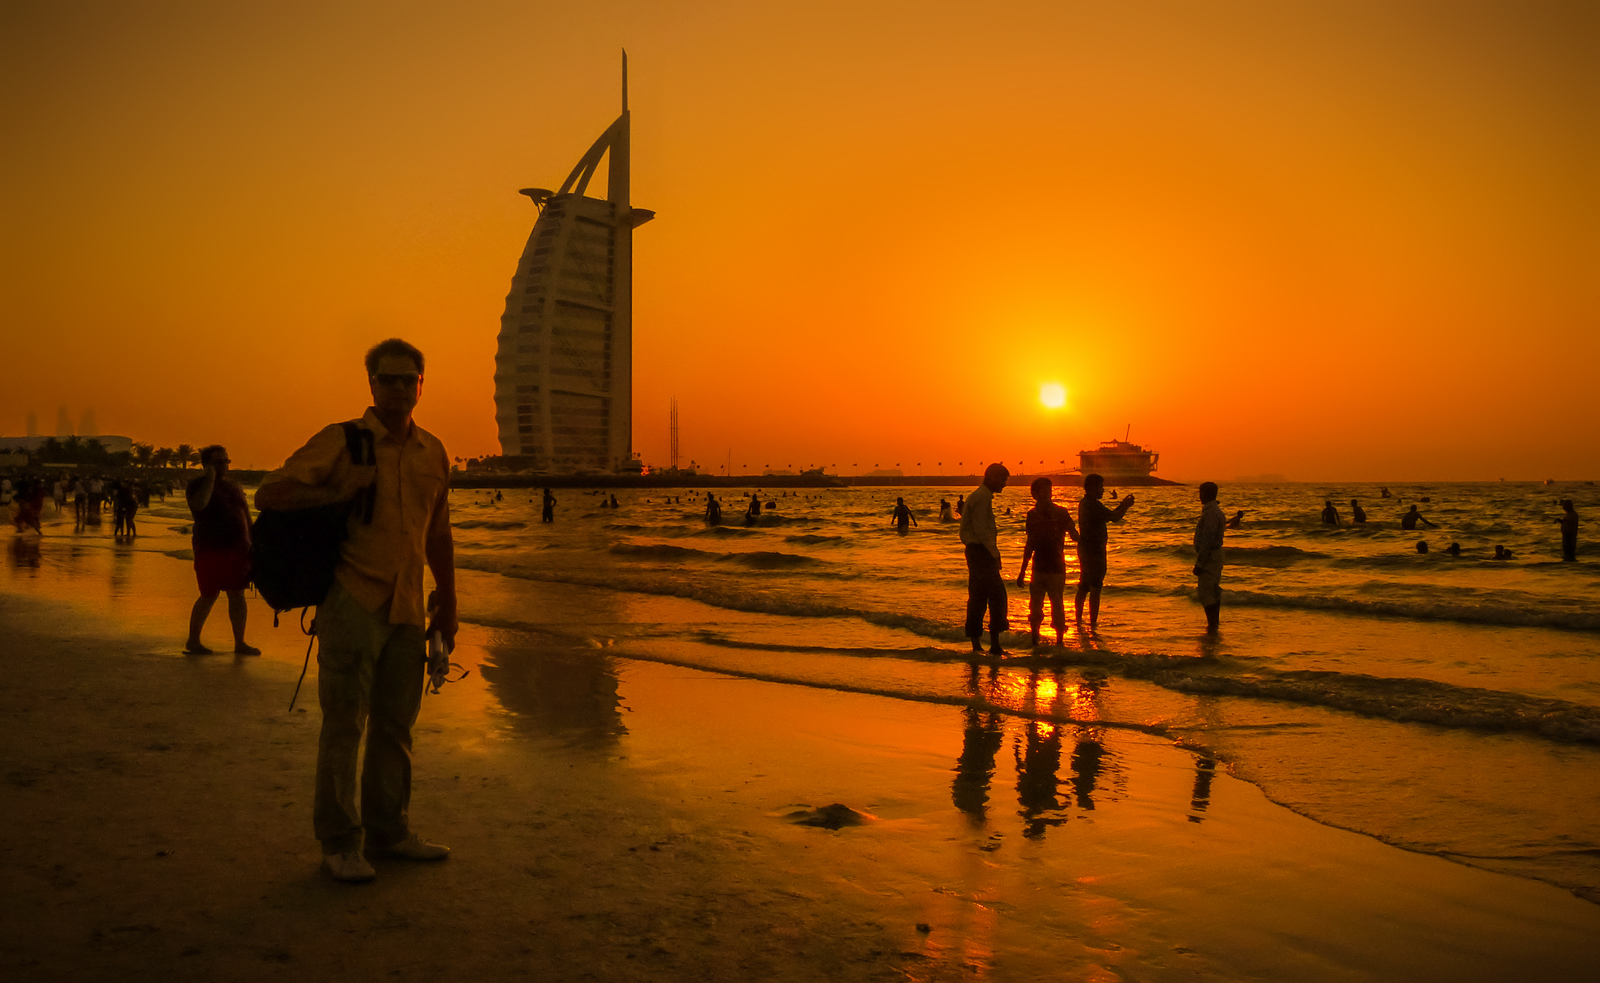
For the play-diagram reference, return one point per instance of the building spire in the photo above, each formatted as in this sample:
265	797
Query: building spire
624	79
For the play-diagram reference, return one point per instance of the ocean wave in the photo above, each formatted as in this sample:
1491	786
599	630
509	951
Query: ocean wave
1247	556
1493	610
759	560
491	524
1401	700
660	551
732	598
769	560
812	539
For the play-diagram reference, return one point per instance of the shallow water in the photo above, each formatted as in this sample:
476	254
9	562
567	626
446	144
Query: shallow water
1450	706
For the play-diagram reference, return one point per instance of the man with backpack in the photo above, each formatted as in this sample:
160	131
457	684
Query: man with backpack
373	626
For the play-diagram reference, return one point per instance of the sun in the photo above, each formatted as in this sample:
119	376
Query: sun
1053	395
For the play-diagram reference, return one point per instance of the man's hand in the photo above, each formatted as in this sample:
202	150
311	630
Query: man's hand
1022	580
443	620
1197	568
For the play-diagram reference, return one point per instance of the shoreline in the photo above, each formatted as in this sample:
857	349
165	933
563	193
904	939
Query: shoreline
614	819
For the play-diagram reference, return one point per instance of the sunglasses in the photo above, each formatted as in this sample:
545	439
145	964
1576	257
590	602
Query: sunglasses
407	380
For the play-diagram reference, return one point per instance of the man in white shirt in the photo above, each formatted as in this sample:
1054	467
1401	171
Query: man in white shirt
1208	554
986	586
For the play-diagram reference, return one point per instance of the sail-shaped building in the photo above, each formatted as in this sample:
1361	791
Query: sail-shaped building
563	379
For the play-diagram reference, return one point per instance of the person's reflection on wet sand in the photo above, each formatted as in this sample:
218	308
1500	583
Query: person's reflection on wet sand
1087	760
1200	799
25	552
1038	761
981	738
570	695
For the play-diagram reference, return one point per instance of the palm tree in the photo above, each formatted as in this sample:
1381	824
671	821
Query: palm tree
183	453
142	454
194	458
162	457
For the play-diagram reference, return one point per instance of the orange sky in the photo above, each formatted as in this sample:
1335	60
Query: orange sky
1336	240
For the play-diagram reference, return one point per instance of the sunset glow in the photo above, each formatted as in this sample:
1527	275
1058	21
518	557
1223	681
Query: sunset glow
1053	395
1308	223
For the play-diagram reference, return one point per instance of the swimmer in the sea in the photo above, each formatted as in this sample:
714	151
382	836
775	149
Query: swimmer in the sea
1357	514
1237	521
1454	549
1501	553
902	515
1410	520
1330	515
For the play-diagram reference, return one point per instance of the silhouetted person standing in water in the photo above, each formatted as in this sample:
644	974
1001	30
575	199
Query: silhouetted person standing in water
1569	531
1208	554
754	511
221	548
1357	514
549	507
713	510
1330	515
902	515
1454	549
1237	521
1048	526
944	511
1093	535
986	588
1410	520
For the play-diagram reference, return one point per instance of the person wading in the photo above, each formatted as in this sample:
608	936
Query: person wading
1208	531
986	587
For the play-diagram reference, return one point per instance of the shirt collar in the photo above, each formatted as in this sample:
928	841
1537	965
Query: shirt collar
370	420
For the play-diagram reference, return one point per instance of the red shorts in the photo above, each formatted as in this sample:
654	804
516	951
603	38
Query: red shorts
222	570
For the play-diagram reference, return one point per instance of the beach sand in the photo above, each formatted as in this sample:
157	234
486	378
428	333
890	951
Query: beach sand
616	819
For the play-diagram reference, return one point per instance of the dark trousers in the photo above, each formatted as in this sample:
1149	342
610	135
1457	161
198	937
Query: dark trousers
986	588
1569	545
370	677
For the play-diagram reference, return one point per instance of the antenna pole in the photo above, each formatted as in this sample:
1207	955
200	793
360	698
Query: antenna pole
624	79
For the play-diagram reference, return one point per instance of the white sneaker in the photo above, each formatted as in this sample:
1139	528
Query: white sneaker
413	847
349	867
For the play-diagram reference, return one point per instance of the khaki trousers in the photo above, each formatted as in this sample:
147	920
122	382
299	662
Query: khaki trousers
1210	588
370	678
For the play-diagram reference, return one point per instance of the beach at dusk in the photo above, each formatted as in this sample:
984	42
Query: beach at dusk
864	491
624	772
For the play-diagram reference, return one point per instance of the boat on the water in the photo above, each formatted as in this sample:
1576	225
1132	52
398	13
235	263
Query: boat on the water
1118	460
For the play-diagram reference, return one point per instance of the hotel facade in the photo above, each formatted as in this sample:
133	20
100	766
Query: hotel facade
564	367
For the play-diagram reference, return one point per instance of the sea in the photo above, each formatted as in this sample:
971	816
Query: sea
1443	704
1447	705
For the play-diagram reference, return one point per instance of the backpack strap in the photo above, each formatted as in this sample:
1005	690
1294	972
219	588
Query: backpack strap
358	441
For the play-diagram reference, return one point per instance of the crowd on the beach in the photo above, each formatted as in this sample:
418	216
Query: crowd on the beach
93	495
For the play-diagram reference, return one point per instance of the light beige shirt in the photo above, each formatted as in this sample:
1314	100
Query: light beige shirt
977	521
383	561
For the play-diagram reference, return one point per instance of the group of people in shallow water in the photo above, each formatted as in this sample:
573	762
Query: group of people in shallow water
92	495
1409	521
1048	527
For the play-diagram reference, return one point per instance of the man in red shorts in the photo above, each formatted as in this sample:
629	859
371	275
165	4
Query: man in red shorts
221	548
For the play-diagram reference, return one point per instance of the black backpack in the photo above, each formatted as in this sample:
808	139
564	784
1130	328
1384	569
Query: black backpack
293	553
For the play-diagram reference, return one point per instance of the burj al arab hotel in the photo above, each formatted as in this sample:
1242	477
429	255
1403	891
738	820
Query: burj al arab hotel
563	378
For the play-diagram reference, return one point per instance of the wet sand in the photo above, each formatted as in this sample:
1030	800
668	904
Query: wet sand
621	819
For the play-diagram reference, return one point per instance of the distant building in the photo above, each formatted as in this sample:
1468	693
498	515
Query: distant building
564	369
